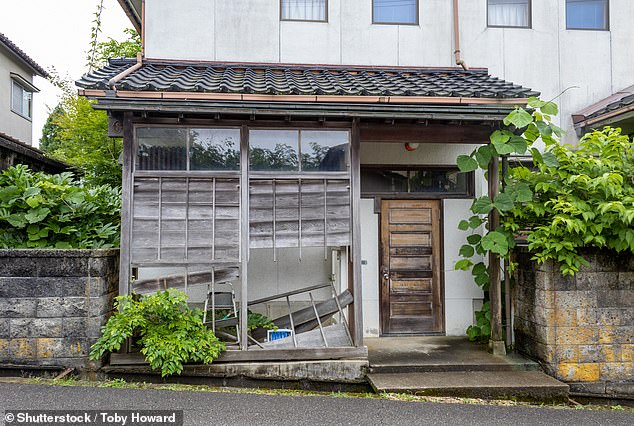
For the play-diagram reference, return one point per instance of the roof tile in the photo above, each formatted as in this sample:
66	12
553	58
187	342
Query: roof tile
281	79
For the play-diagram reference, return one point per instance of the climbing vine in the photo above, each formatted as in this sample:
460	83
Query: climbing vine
567	200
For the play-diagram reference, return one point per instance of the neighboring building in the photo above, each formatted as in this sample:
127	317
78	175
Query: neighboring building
334	127
17	70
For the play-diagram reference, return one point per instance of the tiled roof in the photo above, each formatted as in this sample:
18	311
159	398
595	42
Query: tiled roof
623	102
618	100
23	56
281	79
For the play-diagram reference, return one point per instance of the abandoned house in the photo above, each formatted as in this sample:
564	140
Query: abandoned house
300	157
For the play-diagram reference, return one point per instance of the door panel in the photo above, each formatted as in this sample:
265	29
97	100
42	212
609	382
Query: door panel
411	293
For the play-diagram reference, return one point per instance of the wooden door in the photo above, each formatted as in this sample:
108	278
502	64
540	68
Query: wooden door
410	274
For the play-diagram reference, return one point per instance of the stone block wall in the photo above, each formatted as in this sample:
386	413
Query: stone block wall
53	304
580	328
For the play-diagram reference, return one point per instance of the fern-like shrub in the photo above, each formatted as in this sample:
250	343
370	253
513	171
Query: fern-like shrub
169	332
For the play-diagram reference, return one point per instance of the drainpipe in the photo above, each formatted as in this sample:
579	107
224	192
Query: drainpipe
456	37
117	78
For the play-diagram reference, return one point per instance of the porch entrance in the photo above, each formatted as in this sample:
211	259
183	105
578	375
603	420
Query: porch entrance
410	293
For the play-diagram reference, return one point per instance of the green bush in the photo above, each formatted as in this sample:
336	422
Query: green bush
584	199
38	210
170	332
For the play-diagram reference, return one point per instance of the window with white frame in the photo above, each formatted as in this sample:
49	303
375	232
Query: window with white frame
21	100
304	10
587	14
509	13
395	11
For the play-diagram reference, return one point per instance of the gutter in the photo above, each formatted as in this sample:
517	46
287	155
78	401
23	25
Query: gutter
117	78
456	37
209	96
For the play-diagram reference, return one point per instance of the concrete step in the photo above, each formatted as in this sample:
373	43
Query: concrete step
521	385
509	363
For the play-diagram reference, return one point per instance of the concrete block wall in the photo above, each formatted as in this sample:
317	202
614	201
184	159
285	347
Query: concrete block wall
580	328
53	304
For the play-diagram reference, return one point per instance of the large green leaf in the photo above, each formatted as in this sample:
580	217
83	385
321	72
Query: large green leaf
463	265
500	136
9	194
534	102
550	108
483	156
17	220
550	159
519	118
519	144
475	221
521	192
37	215
463	225
466	163
495	242
544	128
482	205
474	239
503	202
504	148
467	251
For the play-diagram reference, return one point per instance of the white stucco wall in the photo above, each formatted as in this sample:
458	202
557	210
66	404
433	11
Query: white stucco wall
547	57
460	291
11	123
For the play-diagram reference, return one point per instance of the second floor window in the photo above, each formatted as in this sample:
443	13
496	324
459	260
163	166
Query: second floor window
395	11
304	10
21	100
509	13
587	14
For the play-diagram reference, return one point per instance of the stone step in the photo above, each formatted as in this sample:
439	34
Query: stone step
521	385
492	364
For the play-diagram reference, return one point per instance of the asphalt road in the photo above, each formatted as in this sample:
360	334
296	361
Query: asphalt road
248	409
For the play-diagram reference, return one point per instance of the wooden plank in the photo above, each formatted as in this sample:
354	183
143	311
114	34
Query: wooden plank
410	309
126	204
222	275
410	216
410	239
355	219
244	235
410	262
420	285
495	289
421	133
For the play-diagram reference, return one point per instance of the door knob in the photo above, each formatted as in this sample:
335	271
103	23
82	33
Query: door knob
386	274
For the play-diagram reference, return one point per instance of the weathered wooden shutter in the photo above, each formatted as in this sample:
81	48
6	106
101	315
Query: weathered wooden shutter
299	213
185	220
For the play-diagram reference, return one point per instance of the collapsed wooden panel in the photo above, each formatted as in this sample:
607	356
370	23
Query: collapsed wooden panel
185	219
299	212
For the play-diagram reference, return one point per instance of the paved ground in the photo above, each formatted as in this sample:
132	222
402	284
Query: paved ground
244	409
439	353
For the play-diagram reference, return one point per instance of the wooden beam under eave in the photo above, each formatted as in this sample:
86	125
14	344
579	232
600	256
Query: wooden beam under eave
420	133
422	100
